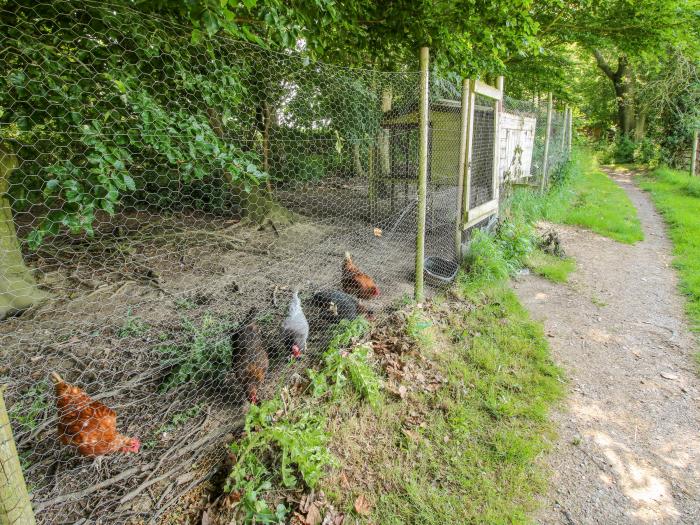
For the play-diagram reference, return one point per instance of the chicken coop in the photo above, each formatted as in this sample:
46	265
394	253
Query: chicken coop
445	126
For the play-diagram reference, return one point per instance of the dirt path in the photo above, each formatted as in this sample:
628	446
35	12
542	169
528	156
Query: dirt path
628	449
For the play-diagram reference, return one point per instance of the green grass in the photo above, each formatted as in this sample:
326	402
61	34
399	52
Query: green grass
677	197
466	452
585	197
555	269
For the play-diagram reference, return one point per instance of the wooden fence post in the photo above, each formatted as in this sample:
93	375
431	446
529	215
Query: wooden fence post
569	131
547	137
467	184
694	153
15	507
565	128
497	109
462	168
424	123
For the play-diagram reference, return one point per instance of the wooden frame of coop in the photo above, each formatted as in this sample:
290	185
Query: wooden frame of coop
454	129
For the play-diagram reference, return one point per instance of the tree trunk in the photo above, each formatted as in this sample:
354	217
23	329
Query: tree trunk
258	206
267	124
357	161
625	107
18	290
623	90
640	126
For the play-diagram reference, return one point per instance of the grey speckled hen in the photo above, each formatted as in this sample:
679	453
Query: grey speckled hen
295	328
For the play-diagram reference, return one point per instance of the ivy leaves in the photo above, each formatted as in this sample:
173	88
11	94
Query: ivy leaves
117	121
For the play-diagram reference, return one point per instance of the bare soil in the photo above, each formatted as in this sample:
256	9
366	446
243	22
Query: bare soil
115	299
628	448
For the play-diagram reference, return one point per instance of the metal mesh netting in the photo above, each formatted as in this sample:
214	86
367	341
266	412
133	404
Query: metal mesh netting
482	189
161	189
168	196
523	133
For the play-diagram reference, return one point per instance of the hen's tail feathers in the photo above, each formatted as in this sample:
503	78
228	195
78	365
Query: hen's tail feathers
348	258
56	378
249	317
247	320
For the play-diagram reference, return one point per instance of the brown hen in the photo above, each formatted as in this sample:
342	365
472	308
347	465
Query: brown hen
251	361
88	425
356	282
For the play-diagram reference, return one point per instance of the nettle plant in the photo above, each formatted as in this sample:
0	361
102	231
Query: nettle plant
107	110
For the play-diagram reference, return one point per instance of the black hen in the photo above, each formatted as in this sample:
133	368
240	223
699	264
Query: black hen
335	305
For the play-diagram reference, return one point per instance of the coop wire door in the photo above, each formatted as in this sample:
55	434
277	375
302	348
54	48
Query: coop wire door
481	185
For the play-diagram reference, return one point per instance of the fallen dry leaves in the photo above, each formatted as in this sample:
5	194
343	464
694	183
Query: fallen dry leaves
362	505
315	509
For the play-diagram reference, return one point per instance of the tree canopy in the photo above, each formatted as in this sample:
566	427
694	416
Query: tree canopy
152	100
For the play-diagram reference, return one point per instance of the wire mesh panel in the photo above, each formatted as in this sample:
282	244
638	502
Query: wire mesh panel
183	223
442	211
533	115
482	189
163	199
558	148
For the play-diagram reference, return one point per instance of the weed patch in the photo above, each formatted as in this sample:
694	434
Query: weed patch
284	443
205	351
584	197
554	268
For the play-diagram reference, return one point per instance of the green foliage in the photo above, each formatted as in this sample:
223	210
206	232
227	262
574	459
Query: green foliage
289	448
486	260
133	326
495	257
205	352
586	197
29	409
620	151
554	268
417	329
648	152
111	132
343	367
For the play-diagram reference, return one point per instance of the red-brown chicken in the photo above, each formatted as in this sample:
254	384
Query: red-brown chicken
88	425
356	282
250	357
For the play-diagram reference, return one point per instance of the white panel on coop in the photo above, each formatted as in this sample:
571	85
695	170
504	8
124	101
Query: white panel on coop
517	141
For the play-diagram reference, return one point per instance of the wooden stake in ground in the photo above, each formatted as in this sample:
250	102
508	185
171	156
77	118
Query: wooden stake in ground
15	507
694	153
569	131
547	138
424	122
462	167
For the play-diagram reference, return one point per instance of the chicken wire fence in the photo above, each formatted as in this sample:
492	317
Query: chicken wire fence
163	201
523	135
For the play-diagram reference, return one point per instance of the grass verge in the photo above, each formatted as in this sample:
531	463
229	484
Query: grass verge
439	415
677	197
586	197
554	268
464	420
